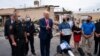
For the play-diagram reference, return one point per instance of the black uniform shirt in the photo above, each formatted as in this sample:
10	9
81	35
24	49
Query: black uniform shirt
97	26
7	27
30	28
18	30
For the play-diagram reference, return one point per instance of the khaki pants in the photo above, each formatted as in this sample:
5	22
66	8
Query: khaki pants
87	44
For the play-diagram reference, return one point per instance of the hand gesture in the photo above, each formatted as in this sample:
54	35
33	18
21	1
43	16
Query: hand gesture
14	44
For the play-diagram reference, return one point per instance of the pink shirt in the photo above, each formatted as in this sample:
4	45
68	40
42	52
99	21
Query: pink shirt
47	22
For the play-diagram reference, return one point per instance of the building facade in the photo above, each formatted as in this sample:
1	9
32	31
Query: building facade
35	13
82	15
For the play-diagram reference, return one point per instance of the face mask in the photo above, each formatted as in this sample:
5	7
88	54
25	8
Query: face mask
77	23
28	19
64	20
88	21
20	19
67	19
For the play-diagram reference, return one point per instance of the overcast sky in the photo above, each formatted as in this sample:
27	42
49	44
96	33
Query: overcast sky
73	5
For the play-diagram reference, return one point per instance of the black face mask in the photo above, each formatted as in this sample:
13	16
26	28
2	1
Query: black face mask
77	23
67	19
64	20
88	21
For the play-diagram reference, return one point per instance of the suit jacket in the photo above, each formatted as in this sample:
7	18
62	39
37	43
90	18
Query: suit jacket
44	33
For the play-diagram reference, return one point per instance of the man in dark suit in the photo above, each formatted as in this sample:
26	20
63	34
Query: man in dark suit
45	34
8	32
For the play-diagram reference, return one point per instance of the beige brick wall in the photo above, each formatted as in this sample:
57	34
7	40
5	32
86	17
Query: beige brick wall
7	11
35	14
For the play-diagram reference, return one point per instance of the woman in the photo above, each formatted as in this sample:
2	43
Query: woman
76	33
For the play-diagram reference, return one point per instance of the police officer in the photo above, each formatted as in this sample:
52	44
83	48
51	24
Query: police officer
19	36
30	30
8	32
26	39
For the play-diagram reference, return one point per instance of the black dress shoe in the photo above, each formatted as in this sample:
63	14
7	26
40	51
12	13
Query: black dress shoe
89	54
98	54
33	53
95	53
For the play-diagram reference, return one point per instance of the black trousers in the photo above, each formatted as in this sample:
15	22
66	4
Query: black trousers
13	48
20	48
97	45
65	38
31	41
45	46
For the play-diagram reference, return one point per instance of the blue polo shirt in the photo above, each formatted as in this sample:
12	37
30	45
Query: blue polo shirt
88	28
64	25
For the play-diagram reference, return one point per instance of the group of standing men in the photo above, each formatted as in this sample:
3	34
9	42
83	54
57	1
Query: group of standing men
20	33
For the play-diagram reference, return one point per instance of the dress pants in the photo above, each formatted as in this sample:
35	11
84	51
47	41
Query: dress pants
13	48
99	49
97	45
31	41
45	46
65	38
20	48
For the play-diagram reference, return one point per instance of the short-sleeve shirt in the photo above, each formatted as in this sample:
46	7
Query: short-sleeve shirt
65	28
88	28
64	25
